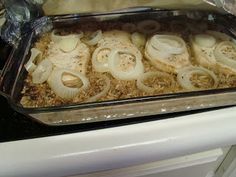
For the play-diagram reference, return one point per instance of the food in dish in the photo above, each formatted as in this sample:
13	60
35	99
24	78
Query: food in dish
81	65
167	52
215	50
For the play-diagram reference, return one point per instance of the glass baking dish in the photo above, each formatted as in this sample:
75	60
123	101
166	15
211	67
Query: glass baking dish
14	74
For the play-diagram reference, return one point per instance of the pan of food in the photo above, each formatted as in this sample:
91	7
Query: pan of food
120	65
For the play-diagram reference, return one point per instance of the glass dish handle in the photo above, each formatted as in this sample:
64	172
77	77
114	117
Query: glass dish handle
12	68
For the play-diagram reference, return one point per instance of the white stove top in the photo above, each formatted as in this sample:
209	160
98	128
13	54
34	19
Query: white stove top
118	147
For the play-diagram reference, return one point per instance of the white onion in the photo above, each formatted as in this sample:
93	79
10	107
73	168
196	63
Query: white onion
36	56
57	85
103	92
66	43
138	39
94	38
168	43
205	40
155	53
42	72
145	76
133	74
185	74
101	66
56	38
164	46
148	26
221	57
130	27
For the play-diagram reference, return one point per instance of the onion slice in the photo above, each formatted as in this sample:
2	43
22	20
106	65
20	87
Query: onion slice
222	56
164	46
184	77
42	72
113	65
36	56
102	64
155	53
147	75
169	43
57	85
66	43
148	26
103	92
205	40
138	39
56	38
94	38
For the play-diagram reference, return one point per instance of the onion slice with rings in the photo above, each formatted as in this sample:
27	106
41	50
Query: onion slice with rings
63	91
185	74
142	78
205	40
138	39
103	92
66	43
132	74
56	38
169	43
94	38
36	56
155	53
222	52
42	72
100	58
148	26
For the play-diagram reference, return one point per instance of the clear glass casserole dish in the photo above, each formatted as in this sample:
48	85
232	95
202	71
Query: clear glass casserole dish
14	74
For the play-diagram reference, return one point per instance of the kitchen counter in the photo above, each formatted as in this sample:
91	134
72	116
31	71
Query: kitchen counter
117	147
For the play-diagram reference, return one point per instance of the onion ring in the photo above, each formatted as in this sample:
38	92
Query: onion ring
101	66
185	74
42	72
103	92
94	38
125	75
138	39
57	85
66	43
56	38
155	53
221	57
168	43
144	76
204	40
36	56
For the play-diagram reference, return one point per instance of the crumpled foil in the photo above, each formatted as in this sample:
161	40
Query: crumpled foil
228	5
19	14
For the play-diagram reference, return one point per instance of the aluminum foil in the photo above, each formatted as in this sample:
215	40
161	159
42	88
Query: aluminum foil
228	5
18	14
